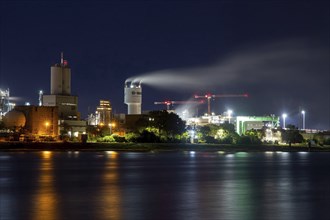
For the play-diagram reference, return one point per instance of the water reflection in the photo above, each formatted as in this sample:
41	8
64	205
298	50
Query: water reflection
6	200
45	199
108	185
110	196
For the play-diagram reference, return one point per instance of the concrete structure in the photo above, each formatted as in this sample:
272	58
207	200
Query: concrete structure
133	98
40	120
67	104
60	87
60	78
245	123
72	128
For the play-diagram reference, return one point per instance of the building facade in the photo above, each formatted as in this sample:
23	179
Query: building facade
103	112
40	120
60	88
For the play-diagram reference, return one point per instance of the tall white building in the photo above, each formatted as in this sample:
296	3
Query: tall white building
60	96
60	92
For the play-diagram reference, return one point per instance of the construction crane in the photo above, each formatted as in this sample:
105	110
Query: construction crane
209	96
169	103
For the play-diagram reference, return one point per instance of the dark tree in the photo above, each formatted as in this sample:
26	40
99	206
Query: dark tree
168	124
291	135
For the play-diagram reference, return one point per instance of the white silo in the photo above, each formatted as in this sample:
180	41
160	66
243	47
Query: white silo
60	78
133	98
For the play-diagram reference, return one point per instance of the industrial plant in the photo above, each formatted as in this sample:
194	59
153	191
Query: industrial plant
56	117
56	113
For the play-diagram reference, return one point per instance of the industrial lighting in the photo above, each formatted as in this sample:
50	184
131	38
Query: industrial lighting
284	117
303	115
229	112
111	125
47	124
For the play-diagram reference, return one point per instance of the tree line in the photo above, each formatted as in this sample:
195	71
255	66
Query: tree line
167	127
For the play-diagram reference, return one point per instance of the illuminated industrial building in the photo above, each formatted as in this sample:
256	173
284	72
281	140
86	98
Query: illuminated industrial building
103	112
245	123
40	120
5	104
60	92
133	98
60	89
242	123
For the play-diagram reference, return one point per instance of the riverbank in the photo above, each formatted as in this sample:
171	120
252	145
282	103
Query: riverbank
148	147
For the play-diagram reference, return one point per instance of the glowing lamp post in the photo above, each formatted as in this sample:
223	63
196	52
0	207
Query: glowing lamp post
229	112
110	127
284	117
303	118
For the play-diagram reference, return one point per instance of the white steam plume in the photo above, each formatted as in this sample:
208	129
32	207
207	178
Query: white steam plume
289	60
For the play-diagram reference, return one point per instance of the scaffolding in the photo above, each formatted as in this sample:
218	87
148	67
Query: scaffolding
5	105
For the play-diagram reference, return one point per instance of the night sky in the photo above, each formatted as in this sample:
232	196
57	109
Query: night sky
276	51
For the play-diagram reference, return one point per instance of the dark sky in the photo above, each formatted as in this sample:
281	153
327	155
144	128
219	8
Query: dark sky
277	51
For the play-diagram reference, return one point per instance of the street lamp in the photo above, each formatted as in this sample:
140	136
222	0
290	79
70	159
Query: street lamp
229	112
303	115
110	127
284	117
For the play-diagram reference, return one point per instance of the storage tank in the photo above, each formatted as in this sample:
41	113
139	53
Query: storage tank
133	98
14	119
60	78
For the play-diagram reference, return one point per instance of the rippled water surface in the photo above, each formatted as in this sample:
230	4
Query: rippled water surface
181	185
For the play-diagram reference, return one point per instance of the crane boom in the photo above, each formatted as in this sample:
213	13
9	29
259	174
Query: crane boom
209	96
169	103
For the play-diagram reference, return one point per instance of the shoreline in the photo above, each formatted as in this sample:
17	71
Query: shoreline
152	147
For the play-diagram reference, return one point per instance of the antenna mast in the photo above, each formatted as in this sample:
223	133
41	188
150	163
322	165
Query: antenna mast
62	59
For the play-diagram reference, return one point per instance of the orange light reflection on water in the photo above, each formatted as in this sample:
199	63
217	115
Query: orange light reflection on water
110	196
45	199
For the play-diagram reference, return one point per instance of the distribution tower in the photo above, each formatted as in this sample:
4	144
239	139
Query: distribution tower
60	78
60	92
133	97
61	97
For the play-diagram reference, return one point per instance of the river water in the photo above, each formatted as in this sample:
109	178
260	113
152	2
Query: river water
178	185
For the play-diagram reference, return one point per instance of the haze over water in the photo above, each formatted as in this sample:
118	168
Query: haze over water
202	185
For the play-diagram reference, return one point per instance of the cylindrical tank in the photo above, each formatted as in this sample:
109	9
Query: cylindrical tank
55	80
133	98
60	80
14	119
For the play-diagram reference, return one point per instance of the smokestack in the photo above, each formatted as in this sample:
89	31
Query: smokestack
133	98
60	78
